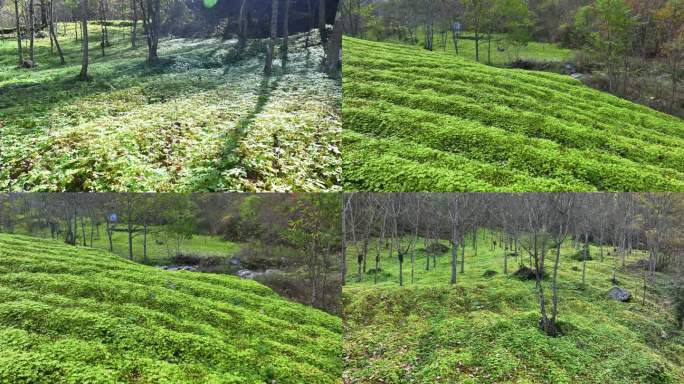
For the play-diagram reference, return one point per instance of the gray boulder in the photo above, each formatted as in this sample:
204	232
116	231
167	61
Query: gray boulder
619	294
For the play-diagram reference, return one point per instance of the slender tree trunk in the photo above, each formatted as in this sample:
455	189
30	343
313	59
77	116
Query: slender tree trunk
268	69
53	34
109	230
92	231
401	268
43	14
83	76
334	48
134	27
321	20
310	22
32	30
286	30
242	34
83	231
477	45
489	48
463	255
343	267
505	263
584	258
454	259
145	242
413	264
554	284
16	18
102	28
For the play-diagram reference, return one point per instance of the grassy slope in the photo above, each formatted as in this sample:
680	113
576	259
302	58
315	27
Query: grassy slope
157	253
484	329
81	315
172	127
419	120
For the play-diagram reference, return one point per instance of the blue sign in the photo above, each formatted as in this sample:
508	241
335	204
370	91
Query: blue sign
457	27
112	217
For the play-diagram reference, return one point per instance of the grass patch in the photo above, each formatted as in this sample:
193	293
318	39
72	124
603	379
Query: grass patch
72	314
484	329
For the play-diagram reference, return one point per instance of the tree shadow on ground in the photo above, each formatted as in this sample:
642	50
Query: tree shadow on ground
229	158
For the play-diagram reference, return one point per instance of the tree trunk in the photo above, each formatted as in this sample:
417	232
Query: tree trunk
102	28
321	20
130	239
343	267
477	45
43	14
463	255
83	76
584	258
145	243
134	27
334	48
413	264
83	231
242	33
489	48
32	30
92	230
401	268
454	258
505	263
54	35
154	41
286	30
19	49
268	69
109	231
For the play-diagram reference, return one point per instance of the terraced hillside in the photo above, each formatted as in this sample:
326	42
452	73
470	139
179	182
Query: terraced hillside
415	120
77	315
485	328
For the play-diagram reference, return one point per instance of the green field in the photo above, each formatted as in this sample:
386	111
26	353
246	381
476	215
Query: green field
533	51
484	328
416	120
79	315
197	121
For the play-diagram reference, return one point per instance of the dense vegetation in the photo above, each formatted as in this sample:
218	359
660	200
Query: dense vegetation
420	120
288	242
485	328
72	314
531	288
195	122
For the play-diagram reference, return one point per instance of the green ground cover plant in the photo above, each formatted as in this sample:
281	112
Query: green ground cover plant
76	314
484	329
416	120
198	121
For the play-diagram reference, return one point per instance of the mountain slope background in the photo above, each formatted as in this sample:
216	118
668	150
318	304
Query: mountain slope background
416	120
71	314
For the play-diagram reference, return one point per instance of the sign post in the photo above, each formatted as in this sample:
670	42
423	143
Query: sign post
457	31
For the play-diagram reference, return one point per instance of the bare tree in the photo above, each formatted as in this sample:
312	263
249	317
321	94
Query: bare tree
268	69
53	35
151	14
83	76
16	19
